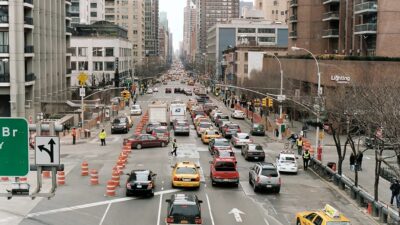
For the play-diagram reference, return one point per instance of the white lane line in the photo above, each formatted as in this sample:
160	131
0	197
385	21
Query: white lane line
266	221
84	206
105	213
159	210
209	210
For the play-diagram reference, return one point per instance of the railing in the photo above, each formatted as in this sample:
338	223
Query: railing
330	32
5	78
293	2
293	18
69	71
369	6
71	50
30	77
365	27
332	14
4	19
293	34
29	49
28	1
363	198
4	49
28	20
69	29
68	14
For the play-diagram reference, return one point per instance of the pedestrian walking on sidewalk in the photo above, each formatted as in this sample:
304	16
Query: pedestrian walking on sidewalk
352	161
299	144
73	133
359	159
102	136
174	147
292	139
306	159
395	188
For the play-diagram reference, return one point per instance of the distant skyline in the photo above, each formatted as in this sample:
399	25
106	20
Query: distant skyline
175	18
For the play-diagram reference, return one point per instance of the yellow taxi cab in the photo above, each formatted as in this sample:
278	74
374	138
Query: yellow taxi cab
210	134
326	216
185	174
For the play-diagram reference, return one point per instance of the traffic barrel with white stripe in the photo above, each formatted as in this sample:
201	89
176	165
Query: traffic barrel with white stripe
60	177
94	177
110	188
84	169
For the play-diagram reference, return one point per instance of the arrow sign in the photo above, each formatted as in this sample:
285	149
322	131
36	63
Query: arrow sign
47	151
236	213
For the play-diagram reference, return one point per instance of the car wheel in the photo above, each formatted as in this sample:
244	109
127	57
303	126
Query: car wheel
163	144
298	222
277	190
246	157
262	159
172	185
152	193
112	132
255	187
127	194
138	146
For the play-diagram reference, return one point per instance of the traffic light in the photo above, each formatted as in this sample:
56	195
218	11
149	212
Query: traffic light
125	94
270	102
264	102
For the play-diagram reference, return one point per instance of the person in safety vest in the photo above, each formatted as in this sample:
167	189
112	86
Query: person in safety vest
299	144
306	159
102	136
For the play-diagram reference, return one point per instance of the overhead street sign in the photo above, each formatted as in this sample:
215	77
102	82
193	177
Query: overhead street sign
14	157
47	151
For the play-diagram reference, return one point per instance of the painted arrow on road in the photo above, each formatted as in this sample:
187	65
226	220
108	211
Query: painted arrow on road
236	213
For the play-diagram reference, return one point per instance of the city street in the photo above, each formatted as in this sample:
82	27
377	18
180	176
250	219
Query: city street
78	202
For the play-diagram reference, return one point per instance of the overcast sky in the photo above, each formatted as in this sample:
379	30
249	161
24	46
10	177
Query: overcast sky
174	9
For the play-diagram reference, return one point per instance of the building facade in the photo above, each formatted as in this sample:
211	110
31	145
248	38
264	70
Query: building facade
354	27
244	6
210	13
151	27
189	31
33	61
87	11
274	10
129	15
101	50
243	32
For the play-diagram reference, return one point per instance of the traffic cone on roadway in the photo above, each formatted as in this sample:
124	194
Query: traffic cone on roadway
94	177
23	179
369	208
60	177
46	174
115	177
84	169
4	179
110	188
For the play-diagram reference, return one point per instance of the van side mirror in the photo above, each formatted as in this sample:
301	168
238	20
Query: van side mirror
168	200
200	201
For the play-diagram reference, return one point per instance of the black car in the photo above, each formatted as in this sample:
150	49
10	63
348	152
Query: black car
120	124
177	90
257	129
183	209
140	182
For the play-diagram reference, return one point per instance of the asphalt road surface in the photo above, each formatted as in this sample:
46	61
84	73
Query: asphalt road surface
79	203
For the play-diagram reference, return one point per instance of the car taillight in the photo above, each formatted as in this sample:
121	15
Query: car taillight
197	179
170	219
166	134
150	185
258	179
154	134
128	185
239	131
197	220
176	178
279	181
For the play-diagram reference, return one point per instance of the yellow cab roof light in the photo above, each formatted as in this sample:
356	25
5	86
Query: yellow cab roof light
331	211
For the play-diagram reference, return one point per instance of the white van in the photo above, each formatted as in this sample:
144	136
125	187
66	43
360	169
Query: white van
177	111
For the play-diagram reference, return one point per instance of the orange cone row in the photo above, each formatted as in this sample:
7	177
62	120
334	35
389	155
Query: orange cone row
84	169
60	177
110	188
46	174
94	177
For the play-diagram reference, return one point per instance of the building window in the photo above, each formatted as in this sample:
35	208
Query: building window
93	5
97	51
93	14
273	11
282	13
266	39
266	30
109	51
275	3
83	65
4	42
4	66
109	66
73	65
246	68
73	51
246	57
82	51
246	30
98	66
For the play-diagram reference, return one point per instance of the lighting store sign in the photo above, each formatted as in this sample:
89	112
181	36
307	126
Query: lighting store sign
340	79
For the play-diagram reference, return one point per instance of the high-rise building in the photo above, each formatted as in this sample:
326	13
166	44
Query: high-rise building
274	10
33	63
151	27
189	30
210	13
244	6
129	15
164	36
354	27
86	11
163	20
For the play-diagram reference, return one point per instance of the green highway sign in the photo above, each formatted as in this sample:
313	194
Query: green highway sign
14	157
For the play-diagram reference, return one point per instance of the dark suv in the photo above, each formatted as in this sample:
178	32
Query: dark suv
120	124
140	182
183	209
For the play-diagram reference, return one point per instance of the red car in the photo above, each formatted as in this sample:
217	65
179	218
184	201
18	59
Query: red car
224	170
225	154
161	132
145	141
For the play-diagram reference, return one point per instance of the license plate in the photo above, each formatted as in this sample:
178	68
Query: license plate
256	157
226	179
139	186
184	222
269	186
186	179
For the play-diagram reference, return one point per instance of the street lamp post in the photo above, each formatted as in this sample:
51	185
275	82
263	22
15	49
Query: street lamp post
317	142
281	93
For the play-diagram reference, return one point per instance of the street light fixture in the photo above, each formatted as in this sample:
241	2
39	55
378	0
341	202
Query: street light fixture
294	48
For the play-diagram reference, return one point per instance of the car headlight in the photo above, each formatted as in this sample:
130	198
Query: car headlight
112	126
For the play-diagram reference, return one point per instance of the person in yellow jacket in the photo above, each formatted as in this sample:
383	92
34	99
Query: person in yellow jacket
102	136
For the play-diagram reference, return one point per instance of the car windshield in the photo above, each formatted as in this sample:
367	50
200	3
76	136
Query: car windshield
269	173
135	107
154	124
186	170
233	126
139	176
256	147
225	166
222	143
243	136
212	132
258	126
160	130
185	210
224	117
182	124
120	120
205	125
227	154
337	223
